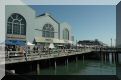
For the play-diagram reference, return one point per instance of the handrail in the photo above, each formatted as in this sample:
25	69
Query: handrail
17	55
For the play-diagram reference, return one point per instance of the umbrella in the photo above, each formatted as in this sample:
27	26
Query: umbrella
30	44
51	46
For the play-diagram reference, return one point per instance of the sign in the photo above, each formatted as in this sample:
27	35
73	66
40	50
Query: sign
48	40
12	36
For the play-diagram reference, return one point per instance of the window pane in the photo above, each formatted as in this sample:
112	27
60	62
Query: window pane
9	28
23	30
16	24
23	21
10	19
66	34
48	31
16	28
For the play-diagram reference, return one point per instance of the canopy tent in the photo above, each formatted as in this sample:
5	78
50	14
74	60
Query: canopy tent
29	44
60	45
51	46
79	45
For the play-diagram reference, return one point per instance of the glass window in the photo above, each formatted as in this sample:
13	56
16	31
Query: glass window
23	30
66	34
9	29
16	24
16	27
48	31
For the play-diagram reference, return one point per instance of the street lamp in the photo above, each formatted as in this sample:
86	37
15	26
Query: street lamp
76	45
111	42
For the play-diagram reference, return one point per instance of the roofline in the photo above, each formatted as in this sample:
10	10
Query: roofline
49	16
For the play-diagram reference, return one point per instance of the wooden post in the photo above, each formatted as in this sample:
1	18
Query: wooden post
38	68
114	58
83	58
110	58
105	57
55	64
67	61
76	58
102	58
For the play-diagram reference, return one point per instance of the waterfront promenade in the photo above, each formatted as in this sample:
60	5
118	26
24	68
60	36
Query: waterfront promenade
16	57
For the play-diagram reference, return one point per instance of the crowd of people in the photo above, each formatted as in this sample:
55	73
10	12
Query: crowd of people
31	49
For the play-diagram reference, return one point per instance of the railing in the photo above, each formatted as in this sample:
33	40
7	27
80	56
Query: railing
58	52
17	56
108	49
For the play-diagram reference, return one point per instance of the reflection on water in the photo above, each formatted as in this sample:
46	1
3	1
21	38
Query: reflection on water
89	67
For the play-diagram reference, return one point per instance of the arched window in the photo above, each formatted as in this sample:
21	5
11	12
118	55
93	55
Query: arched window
16	24
66	34
48	31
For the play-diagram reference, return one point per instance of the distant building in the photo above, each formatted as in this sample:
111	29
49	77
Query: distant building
91	43
118	25
22	24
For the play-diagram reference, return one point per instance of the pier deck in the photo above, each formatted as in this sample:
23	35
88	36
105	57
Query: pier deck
16	57
38	56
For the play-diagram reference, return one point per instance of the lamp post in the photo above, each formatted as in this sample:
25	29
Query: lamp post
111	42
76	45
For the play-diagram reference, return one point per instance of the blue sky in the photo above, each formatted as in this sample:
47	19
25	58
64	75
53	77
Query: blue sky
88	22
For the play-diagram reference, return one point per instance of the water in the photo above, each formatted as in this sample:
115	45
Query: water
87	67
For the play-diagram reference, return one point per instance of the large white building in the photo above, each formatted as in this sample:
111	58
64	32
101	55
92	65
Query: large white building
23	24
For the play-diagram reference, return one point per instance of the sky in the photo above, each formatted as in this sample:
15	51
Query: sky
88	22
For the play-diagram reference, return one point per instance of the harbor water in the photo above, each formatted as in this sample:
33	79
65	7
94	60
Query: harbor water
80	67
83	64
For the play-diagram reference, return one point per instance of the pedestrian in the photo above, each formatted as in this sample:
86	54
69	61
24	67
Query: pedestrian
28	49
34	49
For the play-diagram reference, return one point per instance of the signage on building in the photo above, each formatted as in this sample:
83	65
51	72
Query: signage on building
11	36
48	40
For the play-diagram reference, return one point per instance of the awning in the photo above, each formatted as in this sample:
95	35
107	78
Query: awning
39	39
48	40
8	42
61	41
14	42
58	41
60	45
51	40
19	42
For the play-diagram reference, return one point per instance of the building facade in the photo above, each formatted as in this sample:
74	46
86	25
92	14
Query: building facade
23	24
91	43
118	25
